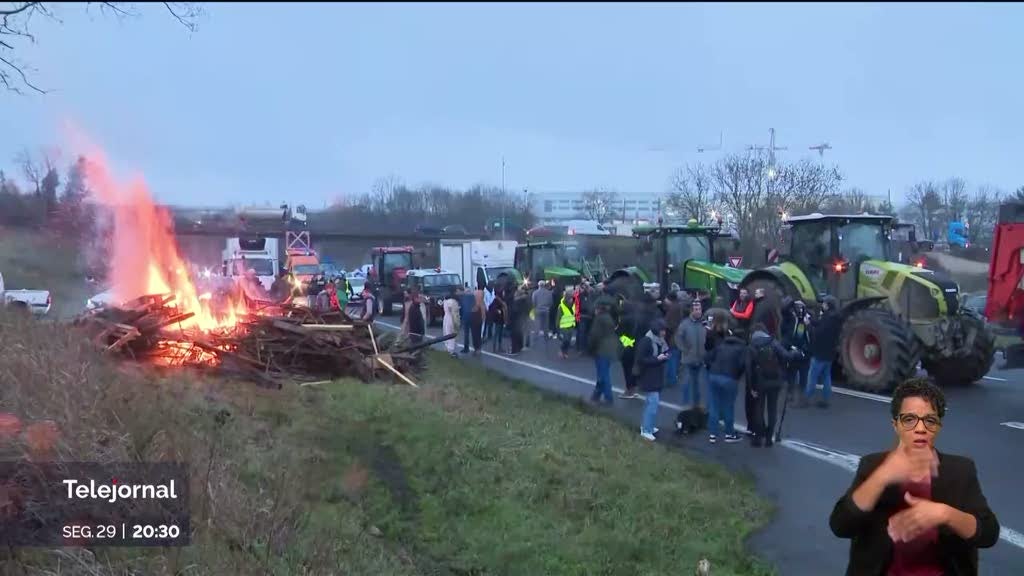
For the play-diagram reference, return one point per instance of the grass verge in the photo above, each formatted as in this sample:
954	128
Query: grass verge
470	474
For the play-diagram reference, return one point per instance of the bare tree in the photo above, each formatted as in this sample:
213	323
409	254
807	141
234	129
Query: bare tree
981	213
599	204
692	194
954	198
30	168
15	30
851	201
924	197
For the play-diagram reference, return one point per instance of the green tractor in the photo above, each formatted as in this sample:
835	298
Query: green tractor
562	262
894	315
682	255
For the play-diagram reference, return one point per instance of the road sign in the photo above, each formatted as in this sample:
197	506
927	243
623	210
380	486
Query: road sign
735	261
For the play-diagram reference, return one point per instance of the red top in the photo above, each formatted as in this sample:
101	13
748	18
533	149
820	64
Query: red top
920	556
744	314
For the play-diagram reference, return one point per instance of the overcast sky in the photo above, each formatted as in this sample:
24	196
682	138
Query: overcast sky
307	103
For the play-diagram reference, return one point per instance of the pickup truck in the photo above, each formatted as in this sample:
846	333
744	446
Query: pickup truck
34	301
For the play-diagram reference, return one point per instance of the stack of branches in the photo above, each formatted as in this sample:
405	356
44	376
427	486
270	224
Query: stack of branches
282	343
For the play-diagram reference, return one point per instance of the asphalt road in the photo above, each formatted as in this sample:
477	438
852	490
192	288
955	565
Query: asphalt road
806	473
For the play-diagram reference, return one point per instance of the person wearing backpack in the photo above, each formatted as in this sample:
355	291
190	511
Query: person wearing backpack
766	373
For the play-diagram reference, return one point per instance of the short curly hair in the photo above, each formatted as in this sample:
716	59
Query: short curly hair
918	388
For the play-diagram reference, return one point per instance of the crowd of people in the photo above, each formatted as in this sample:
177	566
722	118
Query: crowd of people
768	349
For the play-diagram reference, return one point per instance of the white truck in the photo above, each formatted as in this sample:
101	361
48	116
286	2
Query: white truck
479	261
34	301
284	213
457	256
259	254
492	258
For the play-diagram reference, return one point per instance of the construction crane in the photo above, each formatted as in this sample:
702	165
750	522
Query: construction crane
821	148
771	148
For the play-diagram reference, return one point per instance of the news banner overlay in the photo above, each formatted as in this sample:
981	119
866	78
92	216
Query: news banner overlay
89	504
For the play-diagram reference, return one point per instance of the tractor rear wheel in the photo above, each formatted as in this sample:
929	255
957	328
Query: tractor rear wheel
877	351
626	285
966	370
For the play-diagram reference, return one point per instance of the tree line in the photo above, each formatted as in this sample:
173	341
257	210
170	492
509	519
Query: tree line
391	206
752	194
47	198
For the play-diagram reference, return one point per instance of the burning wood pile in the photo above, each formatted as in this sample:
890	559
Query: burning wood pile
278	343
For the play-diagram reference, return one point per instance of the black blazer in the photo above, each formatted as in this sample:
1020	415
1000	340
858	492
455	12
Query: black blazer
871	548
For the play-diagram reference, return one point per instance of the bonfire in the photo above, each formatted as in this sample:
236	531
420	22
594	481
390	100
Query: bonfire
164	321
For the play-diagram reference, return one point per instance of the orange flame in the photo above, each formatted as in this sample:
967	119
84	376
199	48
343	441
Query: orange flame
145	257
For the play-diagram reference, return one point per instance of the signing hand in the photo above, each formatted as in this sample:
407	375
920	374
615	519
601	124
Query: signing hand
923	515
909	465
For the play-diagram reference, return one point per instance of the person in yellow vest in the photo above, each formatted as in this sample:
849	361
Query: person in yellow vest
566	322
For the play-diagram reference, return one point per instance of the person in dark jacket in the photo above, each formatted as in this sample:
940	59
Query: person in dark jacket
674	313
628	332
765	312
824	340
796	322
466	302
497	314
690	342
585	317
727	364
520	319
913	509
603	345
651	355
765	375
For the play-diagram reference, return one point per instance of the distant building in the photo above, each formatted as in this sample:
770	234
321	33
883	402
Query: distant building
558	206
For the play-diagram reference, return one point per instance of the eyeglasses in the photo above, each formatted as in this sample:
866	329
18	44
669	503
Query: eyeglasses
909	422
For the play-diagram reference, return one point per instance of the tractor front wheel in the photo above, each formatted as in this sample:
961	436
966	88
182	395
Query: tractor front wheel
877	351
965	370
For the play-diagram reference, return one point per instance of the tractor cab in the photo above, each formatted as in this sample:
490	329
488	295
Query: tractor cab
832	251
388	272
683	255
558	261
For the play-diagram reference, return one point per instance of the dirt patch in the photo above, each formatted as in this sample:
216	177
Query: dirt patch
388	469
354	480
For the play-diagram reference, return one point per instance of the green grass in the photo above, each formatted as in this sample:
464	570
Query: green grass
476	474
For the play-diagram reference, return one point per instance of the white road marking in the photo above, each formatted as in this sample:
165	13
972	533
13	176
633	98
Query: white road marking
859	394
1017	425
844	460
995	379
1011	536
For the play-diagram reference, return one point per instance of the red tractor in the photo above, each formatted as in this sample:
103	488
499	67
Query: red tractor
390	265
1004	303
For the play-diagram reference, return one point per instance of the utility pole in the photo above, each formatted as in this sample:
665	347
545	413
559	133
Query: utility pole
503	197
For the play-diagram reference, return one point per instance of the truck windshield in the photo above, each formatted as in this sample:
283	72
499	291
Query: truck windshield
262	266
493	273
436	280
859	241
683	247
397	260
306	269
